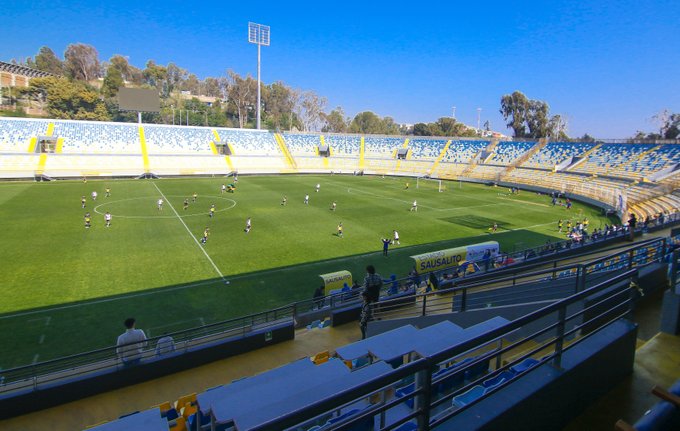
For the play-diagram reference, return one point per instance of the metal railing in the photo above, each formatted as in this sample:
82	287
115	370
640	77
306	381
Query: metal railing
43	374
440	380
542	285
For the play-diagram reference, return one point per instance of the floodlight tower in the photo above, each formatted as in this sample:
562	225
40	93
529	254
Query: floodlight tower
453	110
479	116
259	35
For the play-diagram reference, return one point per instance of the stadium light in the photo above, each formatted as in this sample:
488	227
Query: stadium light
479	116
259	35
453	110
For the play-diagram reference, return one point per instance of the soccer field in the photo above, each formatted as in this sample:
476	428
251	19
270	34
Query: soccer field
67	289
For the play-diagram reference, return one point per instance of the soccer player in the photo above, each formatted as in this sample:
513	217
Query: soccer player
94	196
284	201
559	225
248	225
340	230
108	192
160	204
82	201
414	207
568	204
107	219
318	186
333	206
206	233
186	204
494	228
396	238
87	220
386	244
306	199
212	210
406	188
195	196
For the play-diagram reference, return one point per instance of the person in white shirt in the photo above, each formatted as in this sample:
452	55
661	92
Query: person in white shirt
107	219
131	343
160	204
318	186
164	345
94	196
414	207
396	238
306	199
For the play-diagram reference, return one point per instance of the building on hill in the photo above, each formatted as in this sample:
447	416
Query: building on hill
14	75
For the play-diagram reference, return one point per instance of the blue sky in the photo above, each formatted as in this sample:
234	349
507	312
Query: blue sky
608	66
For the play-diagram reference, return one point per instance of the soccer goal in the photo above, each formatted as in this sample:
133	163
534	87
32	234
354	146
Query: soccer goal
429	183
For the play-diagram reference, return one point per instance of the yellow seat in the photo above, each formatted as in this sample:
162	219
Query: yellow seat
188	410
179	424
164	407
183	400
321	357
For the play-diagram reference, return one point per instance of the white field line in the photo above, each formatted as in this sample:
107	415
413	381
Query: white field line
190	234
354	189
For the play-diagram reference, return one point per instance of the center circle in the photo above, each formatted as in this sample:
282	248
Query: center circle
153	202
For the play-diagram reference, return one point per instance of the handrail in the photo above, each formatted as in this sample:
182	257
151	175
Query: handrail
427	365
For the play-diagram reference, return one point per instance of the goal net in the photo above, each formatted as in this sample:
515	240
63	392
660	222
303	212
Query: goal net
429	183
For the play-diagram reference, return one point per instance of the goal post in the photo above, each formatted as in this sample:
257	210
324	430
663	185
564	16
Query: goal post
429	183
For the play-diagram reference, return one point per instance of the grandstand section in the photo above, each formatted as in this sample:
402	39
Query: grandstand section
252	142
606	157
97	137
427	149
344	146
508	151
16	134
302	145
555	153
461	151
381	146
178	140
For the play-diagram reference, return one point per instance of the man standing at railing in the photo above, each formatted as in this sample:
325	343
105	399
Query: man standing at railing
632	221
131	343
372	284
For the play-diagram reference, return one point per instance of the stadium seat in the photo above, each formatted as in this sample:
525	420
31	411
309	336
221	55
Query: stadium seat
498	380
471	395
408	426
179	424
405	391
183	400
321	357
315	324
524	365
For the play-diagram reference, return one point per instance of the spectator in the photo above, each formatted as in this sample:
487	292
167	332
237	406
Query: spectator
165	345
366	313
319	297
394	285
131	343
632	221
372	284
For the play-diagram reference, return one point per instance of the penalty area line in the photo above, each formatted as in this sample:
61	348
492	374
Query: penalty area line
190	234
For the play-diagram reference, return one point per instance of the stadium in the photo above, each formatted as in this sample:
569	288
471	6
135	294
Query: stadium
289	278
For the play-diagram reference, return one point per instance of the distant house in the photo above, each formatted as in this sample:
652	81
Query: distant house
13	75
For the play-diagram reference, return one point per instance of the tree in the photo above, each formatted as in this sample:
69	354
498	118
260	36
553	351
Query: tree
112	81
66	99
336	122
278	104
127	71
242	94
531	118
313	106
211	87
366	122
47	61
81	62
156	76
514	108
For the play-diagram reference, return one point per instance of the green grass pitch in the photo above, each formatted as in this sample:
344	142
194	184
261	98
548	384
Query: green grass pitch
66	289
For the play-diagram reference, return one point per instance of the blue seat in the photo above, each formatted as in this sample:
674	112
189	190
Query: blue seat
405	391
498	380
524	365
314	324
171	414
471	395
408	426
